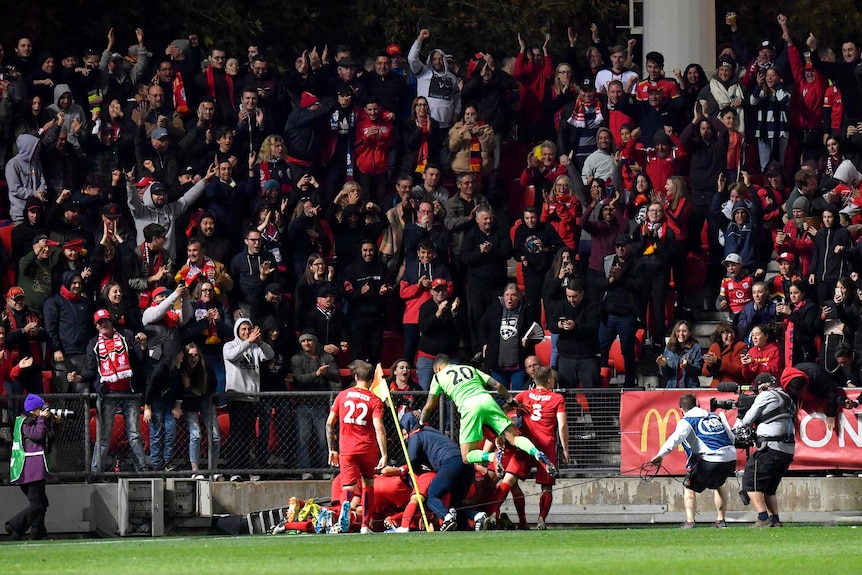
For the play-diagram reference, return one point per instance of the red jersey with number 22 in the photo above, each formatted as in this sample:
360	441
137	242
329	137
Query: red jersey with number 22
540	421
356	409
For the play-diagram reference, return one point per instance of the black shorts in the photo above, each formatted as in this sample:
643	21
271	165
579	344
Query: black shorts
764	470
708	475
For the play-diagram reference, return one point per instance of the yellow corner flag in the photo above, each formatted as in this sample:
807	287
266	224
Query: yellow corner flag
380	388
379	385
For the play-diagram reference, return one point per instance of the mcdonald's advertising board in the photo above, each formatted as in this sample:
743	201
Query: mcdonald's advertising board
648	418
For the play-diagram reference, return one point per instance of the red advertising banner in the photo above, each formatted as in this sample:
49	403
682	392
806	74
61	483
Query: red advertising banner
648	418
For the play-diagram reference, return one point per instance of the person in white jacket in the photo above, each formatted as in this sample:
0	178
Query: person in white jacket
242	362
435	82
708	442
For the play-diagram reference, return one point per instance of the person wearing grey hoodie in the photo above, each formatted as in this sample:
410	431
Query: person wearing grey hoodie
243	357
24	177
75	119
435	82
154	208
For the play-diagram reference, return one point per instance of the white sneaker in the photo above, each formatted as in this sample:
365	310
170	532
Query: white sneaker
198	477
235	478
254	477
482	521
218	477
540	524
307	476
365	530
402	530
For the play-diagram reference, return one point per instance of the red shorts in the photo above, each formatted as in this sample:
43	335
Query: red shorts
521	464
356	466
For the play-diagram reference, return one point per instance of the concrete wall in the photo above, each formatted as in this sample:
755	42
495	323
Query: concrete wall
682	30
90	509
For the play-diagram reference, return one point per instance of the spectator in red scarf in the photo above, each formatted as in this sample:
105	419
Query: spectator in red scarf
472	144
113	358
217	84
199	267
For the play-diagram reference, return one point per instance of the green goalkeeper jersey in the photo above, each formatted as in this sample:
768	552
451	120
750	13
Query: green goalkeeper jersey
459	383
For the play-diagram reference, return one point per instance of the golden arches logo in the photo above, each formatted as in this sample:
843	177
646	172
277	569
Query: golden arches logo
661	423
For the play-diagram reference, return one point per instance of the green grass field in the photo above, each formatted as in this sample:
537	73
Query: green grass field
653	550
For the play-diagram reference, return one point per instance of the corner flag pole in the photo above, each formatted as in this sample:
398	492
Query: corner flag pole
381	389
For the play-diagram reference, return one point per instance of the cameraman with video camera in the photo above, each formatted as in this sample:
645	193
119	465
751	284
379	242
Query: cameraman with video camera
708	442
32	437
773	412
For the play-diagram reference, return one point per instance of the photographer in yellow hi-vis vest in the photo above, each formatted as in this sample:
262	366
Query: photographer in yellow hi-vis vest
33	435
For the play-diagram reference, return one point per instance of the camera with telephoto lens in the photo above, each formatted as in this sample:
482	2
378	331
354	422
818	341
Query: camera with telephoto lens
745	436
62	413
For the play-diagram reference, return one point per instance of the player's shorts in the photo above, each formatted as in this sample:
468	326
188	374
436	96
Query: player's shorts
356	466
521	463
481	410
708	475
764	470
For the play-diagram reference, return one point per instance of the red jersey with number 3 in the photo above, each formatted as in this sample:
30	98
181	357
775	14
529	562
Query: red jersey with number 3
540	420
356	409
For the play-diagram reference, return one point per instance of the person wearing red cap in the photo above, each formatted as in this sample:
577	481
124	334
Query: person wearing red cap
779	286
304	134
114	359
162	322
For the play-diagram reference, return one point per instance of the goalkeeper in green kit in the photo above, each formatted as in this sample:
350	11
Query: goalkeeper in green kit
468	388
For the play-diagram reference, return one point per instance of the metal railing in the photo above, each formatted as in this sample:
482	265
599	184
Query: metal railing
281	435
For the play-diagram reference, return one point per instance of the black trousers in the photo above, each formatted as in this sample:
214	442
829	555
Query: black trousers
33	517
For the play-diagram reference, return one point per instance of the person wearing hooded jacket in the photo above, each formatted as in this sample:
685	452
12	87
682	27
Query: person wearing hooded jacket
243	358
742	235
24	177
75	120
435	82
832	248
154	208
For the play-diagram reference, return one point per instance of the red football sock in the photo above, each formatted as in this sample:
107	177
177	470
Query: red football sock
500	496
520	508
409	513
367	505
545	501
346	495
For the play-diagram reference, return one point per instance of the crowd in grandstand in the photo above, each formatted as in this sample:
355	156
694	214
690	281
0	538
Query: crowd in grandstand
183	214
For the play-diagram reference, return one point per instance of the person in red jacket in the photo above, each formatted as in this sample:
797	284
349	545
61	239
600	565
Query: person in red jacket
542	172
764	356
562	209
795	238
662	161
806	103
374	139
534	70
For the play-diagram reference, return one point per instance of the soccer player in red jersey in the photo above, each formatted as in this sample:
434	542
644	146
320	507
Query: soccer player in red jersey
544	417
361	442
